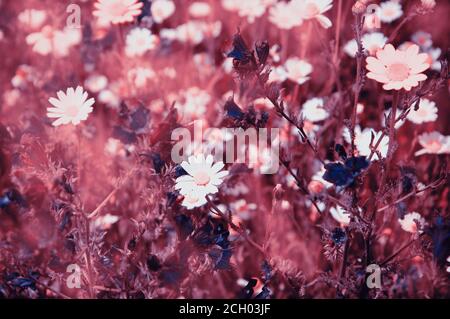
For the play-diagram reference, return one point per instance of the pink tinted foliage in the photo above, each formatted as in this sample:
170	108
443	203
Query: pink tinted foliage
88	181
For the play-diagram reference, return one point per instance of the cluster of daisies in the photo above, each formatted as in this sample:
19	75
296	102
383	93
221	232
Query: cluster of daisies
411	222
395	68
399	69
202	176
283	14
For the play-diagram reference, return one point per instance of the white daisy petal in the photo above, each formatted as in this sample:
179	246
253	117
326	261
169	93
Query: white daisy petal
70	107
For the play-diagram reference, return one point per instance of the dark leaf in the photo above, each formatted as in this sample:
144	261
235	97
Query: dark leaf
139	119
233	110
262	51
357	164
221	257
185	225
153	263
264	294
158	163
171	198
179	171
440	234
172	275
22	282
123	135
240	50
266	270
247	291
341	151
338	236
337	174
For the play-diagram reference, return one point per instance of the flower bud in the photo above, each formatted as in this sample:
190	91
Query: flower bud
359	7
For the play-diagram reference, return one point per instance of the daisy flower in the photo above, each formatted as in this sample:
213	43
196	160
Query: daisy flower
231	5
139	41
261	160
398	69
284	15
340	215
363	138
96	83
161	10
242	208
109	97
105	222
313	110
427	112
372	42
139	76
294	69
202	177
351	47
195	101
114	147
192	32
409	222
23	75
278	74
297	70
32	18
117	11
253	9
238	189
70	107
433	58
193	200
314	9
199	9
362	142
422	39
390	11
433	54
57	42
434	143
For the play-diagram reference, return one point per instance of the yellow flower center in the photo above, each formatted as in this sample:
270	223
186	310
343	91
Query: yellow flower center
72	110
434	146
117	9
397	72
201	178
389	12
191	198
421	112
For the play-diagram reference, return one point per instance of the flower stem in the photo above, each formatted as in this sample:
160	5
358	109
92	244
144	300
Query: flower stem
395	254
399	26
359	77
338	32
235	227
392	121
